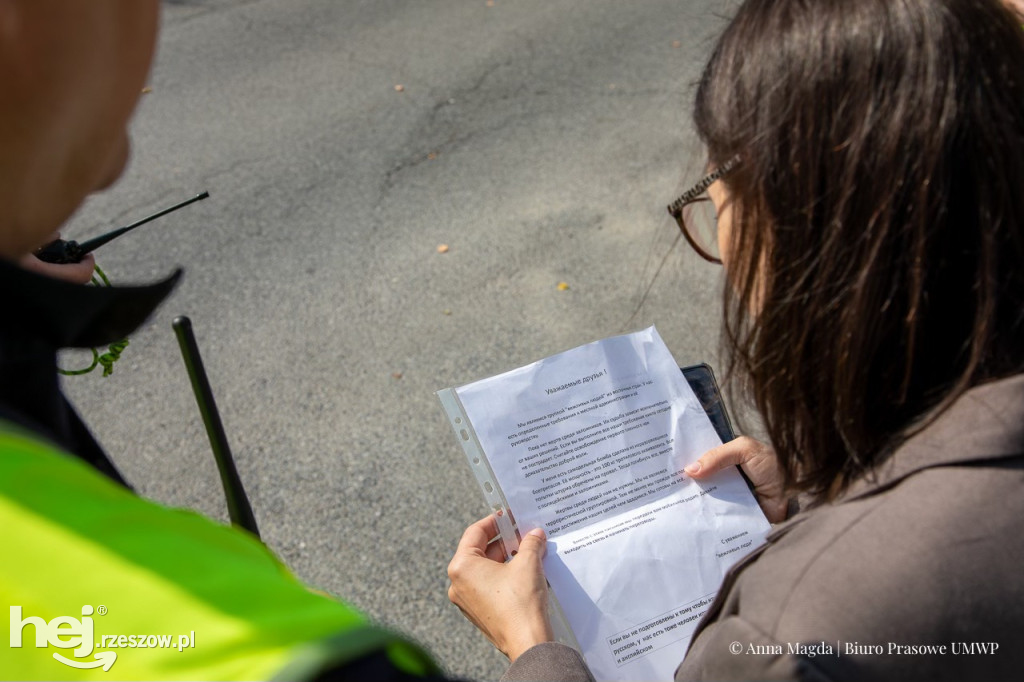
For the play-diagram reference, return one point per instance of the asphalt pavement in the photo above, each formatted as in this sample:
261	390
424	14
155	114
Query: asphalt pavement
343	143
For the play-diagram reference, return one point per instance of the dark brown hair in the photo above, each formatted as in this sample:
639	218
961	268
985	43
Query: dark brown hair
877	255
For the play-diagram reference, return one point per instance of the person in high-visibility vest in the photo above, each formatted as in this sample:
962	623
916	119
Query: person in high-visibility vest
101	584
97	583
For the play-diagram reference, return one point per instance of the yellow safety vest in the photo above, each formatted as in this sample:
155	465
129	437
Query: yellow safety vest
99	584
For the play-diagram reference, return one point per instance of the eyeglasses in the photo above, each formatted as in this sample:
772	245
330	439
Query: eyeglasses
695	214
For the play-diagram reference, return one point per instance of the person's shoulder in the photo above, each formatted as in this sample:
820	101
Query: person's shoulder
844	590
933	560
950	526
157	569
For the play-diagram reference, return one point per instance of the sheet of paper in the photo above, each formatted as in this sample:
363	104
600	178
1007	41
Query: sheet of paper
590	445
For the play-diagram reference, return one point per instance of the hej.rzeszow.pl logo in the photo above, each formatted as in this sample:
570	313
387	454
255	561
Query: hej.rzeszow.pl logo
67	632
63	632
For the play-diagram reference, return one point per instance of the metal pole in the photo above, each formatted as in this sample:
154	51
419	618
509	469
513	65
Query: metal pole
238	504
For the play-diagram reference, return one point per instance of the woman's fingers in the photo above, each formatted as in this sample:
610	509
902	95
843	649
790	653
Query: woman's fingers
496	550
507	602
733	453
533	547
759	463
475	539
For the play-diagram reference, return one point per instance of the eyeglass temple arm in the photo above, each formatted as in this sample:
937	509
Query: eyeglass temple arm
698	189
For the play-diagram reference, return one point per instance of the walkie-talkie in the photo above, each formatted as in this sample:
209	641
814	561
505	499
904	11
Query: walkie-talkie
61	251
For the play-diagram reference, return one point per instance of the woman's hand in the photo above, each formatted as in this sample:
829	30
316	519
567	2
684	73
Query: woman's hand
508	602
758	462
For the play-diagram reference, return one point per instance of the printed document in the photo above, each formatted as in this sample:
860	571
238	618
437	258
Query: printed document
590	445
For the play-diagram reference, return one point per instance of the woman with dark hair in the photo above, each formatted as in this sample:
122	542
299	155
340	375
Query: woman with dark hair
867	170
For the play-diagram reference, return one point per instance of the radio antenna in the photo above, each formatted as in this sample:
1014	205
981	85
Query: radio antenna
60	251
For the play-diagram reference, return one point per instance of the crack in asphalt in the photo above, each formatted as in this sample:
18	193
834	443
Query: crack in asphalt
431	126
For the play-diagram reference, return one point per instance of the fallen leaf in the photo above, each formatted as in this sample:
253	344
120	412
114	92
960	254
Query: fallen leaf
399	88
146	90
442	248
676	43
396	375
490	3
447	312
563	286
431	156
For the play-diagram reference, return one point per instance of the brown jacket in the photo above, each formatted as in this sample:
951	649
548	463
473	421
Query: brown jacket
928	552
